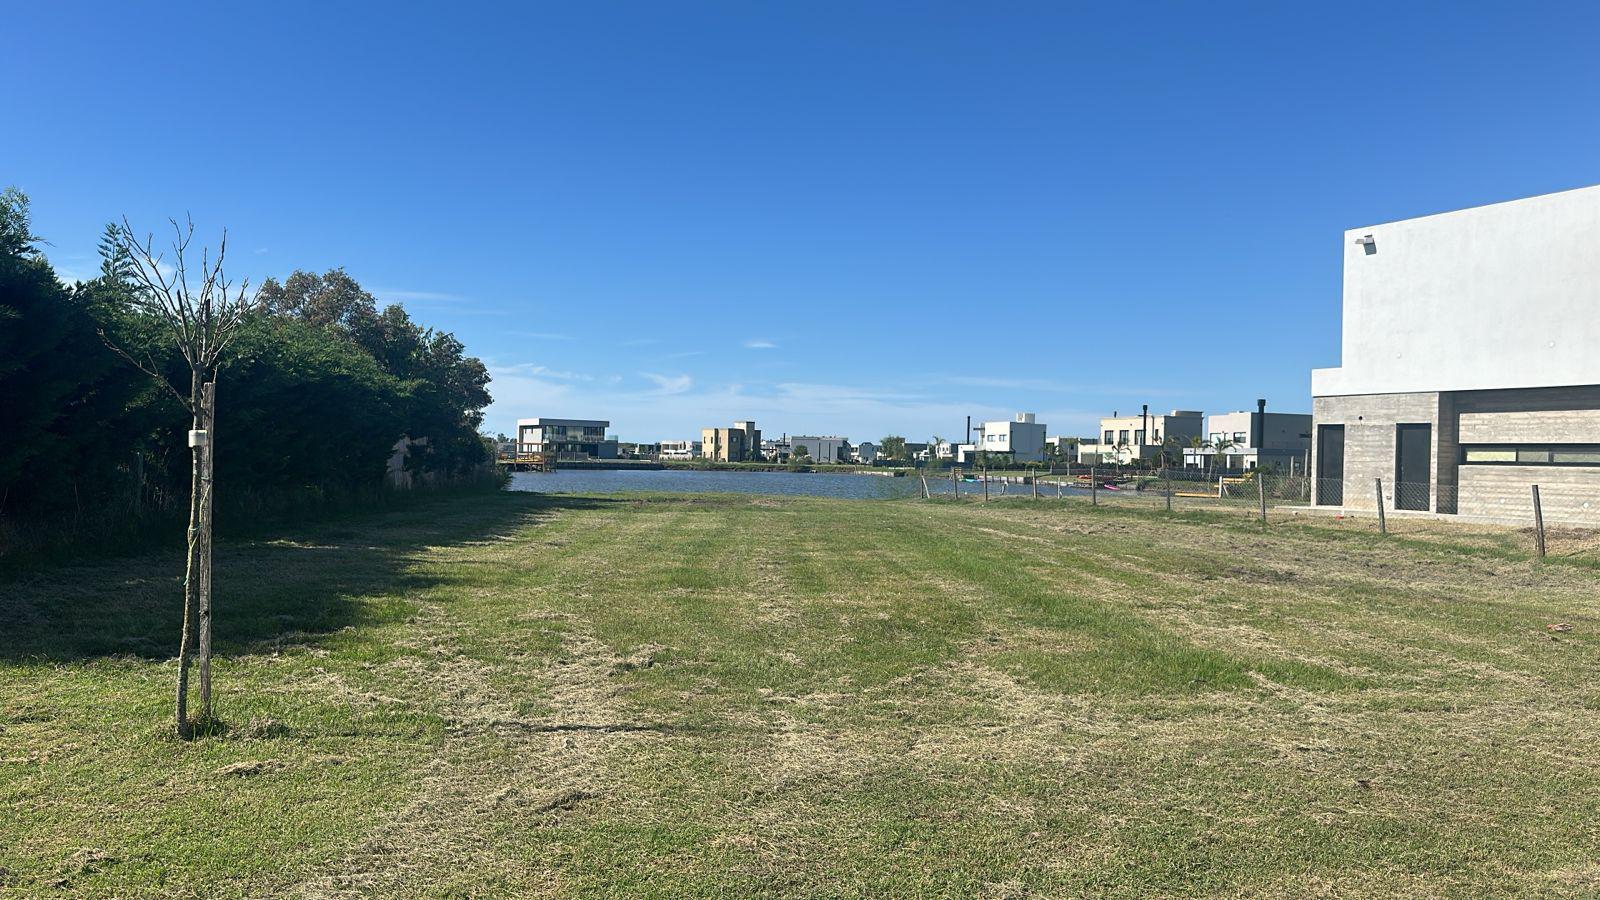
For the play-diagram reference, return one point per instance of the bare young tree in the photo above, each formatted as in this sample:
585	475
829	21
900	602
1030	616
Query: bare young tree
200	321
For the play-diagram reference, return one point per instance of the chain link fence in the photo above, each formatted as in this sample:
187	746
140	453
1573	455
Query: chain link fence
1546	518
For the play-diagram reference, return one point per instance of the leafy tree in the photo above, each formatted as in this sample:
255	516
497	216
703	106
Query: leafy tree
446	389
62	390
893	446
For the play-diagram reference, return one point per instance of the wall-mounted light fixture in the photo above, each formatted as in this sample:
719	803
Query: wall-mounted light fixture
1368	244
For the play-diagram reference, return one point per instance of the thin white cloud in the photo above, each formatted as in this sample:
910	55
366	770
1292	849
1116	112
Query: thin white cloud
1044	384
260	250
670	384
759	344
542	335
536	371
639	342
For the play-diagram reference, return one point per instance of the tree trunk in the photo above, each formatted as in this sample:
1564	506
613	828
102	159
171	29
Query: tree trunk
208	418
189	583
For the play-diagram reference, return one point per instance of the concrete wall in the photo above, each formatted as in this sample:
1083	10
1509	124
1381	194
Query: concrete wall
1369	440
1501	296
1569	496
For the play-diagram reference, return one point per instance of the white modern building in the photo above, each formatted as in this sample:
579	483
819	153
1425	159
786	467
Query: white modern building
1247	440
1124	439
865	453
1470	362
820	449
680	449
566	437
1022	438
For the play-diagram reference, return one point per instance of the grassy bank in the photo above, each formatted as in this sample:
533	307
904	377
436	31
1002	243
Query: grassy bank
729	696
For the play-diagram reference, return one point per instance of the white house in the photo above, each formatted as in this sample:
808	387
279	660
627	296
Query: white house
821	449
1123	439
1022	438
680	449
1248	440
569	437
1470	362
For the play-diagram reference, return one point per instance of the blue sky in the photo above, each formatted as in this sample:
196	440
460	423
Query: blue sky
844	218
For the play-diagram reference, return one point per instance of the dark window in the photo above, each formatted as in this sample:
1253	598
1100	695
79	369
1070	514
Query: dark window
1530	454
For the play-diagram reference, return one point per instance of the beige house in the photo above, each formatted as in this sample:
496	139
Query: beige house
1124	439
741	443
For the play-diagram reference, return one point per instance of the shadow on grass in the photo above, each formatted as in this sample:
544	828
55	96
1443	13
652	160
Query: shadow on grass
295	587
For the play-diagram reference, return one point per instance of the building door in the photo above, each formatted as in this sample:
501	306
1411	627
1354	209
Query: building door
1413	452
1330	465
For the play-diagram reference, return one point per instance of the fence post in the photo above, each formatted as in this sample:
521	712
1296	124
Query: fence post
1538	522
1383	527
1036	485
1094	487
955	484
925	494
1166	475
1261	489
985	477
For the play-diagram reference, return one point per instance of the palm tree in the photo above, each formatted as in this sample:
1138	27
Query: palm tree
1220	448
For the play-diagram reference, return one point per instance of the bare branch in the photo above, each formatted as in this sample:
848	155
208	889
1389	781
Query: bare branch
147	369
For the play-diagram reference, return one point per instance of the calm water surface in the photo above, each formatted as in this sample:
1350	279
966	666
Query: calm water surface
605	481
855	487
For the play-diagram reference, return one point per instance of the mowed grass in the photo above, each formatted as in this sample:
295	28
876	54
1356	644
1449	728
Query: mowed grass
730	696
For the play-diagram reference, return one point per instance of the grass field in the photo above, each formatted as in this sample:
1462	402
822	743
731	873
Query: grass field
732	696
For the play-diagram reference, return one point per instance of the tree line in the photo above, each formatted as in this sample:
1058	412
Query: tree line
321	383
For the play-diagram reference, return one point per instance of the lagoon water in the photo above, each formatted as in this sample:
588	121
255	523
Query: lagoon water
605	481
813	484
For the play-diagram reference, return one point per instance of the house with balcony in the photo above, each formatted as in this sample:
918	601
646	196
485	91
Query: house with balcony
566	438
679	450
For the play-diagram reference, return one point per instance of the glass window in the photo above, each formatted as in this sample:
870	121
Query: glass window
1533	455
1108	439
1240	437
1138	436
1122	436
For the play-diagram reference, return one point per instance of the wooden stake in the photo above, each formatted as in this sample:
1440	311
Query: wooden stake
1261	489
1094	487
1538	522
208	407
1166	475
1383	527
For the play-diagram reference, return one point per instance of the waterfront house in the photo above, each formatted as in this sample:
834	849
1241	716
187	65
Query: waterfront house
820	448
1244	440
1022	438
680	449
1125	439
741	443
572	438
1469	368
